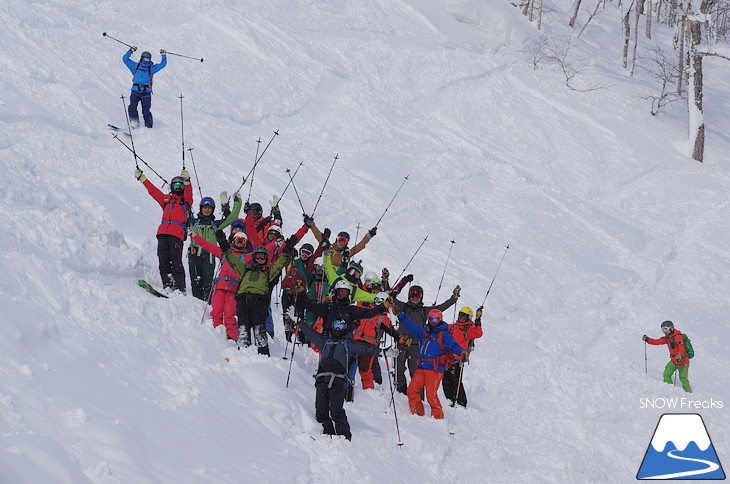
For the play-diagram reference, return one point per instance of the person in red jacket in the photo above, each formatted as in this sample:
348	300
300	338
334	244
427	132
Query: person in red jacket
677	354
464	332
173	229
223	300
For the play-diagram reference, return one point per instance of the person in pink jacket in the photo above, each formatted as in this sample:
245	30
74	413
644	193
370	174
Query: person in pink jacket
173	228
225	286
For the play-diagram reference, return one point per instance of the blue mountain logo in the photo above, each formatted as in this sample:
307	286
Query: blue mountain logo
681	449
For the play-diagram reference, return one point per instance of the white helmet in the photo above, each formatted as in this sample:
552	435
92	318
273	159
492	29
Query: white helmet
381	297
341	284
277	229
369	275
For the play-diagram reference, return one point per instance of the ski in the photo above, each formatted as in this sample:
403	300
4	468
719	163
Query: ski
150	289
117	128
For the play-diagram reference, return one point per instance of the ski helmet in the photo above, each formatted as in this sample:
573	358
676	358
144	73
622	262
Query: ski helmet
381	297
669	325
307	247
341	284
435	317
369	275
177	185
415	291
207	202
466	310
277	230
146	55
257	209
238	224
376	281
318	264
260	250
343	235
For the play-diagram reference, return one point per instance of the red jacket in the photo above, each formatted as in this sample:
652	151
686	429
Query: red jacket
464	332
675	344
175	210
228	279
369	330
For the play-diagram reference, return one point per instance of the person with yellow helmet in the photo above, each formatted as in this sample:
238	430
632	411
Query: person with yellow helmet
464	332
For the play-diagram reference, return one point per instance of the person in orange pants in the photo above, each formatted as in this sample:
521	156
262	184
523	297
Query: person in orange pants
435	342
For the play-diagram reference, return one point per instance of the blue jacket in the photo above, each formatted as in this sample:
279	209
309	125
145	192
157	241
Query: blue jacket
142	73
429	347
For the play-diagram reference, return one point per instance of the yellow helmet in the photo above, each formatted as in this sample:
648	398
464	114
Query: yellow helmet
466	310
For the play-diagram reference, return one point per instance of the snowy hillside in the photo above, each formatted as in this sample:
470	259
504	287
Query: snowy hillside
612	228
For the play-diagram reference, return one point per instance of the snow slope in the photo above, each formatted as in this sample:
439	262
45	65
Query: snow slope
612	229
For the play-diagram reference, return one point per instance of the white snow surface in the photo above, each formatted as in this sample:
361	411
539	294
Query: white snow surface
612	229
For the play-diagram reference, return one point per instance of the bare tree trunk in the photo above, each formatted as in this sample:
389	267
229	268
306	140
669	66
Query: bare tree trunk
648	19
532	10
639	11
591	17
627	37
680	65
574	8
696	116
539	16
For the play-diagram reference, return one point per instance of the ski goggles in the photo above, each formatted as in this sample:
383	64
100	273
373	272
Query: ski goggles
353	272
177	186
375	287
339	324
415	294
434	319
146	59
318	267
305	252
344	240
667	329
260	257
207	202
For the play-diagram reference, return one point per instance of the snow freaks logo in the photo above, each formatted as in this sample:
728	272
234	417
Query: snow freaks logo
681	449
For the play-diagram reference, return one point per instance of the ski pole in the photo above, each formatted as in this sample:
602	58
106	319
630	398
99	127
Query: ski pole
392	400
182	131
405	179
646	363
129	130
325	183
253	174
186	56
107	35
293	347
409	262
195	170
291	179
276	133
210	293
495	275
137	157
444	273
357	230
458	385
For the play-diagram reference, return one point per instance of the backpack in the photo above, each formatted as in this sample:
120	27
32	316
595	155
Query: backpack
446	358
690	352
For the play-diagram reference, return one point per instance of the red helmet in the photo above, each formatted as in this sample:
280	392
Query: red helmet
435	317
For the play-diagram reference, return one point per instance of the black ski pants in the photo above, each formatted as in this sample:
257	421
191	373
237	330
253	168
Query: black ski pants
169	253
201	264
450	384
252	311
329	409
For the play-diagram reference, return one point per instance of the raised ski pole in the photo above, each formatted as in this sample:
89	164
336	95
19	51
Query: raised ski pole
129	130
253	173
325	184
405	179
182	130
137	157
357	230
124	43
495	275
411	260
291	179
646	362
186	56
444	273
392	401
276	133
195	170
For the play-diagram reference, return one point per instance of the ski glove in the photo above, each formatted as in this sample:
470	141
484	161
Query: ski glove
457	292
479	312
464	356
132	49
299	286
274	201
163	51
224	198
139	175
220	237
246	207
373	231
326	237
290	243
308	221
408	279
185	176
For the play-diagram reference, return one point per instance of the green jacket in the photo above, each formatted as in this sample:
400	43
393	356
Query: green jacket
255	279
330	272
208	231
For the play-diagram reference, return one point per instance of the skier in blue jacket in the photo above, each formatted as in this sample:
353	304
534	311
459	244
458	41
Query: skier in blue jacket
142	72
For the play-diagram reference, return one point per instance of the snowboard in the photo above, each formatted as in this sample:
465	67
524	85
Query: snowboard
150	289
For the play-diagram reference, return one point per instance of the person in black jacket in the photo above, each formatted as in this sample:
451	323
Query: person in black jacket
416	312
337	352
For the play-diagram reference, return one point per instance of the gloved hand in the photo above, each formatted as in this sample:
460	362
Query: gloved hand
679	357
645	338
290	243
220	237
163	51
274	202
246	207
392	352
373	231
390	304
139	175
299	286
385	274
185	176
464	356
224	198
237	195
457	292
308	221
326	236
408	278
133	48
479	312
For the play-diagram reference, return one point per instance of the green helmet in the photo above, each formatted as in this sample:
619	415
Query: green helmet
667	324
